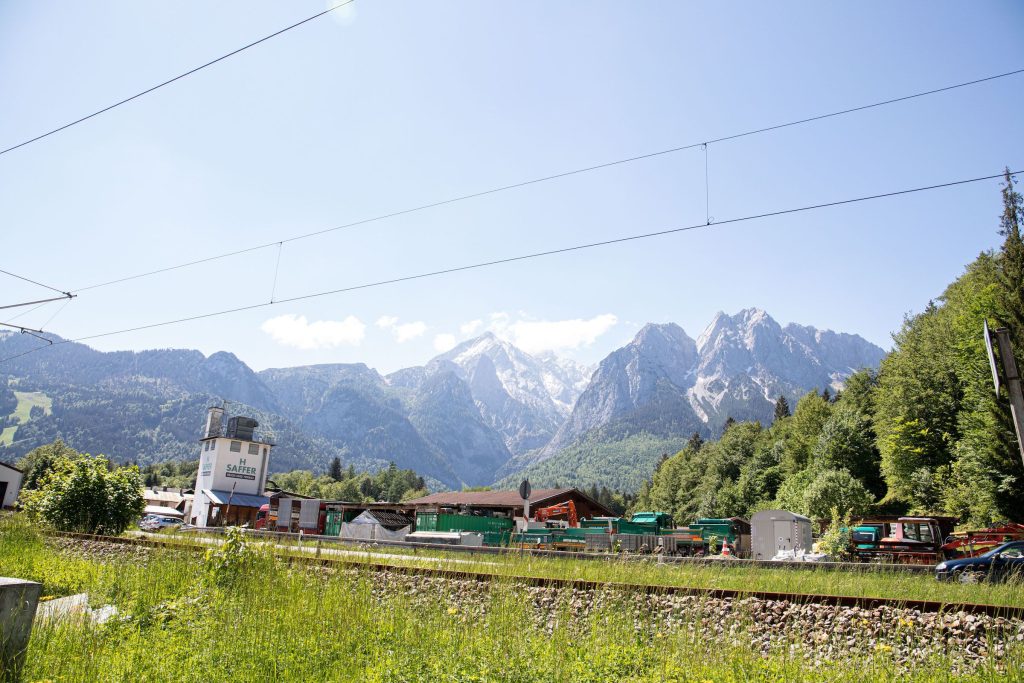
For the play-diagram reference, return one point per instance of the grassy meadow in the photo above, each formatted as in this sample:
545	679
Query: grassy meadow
244	615
27	400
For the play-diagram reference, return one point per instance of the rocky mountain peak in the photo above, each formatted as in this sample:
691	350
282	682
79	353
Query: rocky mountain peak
747	326
664	383
523	397
664	349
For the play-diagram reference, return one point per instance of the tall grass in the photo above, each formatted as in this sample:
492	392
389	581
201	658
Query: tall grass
876	583
266	620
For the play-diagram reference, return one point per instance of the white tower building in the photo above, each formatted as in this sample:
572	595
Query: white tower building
232	472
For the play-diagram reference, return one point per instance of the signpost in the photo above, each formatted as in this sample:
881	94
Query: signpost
524	493
1010	377
230	496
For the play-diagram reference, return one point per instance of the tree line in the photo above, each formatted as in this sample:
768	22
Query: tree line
390	484
926	434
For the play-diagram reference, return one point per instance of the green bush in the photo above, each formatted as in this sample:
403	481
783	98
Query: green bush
84	494
835	540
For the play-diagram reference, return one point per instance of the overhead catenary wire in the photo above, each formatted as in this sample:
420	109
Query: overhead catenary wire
34	282
176	78
59	310
277	269
547	178
31	310
524	257
707	187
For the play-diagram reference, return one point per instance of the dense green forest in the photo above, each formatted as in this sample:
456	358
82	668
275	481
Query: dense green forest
926	434
621	463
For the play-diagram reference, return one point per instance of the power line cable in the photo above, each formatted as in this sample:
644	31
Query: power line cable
176	78
523	257
24	313
40	284
59	310
556	176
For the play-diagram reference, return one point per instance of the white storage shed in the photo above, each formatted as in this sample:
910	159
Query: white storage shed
773	531
10	484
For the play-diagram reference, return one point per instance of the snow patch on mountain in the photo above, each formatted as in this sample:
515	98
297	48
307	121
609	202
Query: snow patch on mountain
664	383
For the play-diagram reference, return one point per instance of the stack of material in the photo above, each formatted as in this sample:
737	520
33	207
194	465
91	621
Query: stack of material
284	514
636	543
309	515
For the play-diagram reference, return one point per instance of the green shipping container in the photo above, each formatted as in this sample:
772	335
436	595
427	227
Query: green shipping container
722	528
433	521
497	539
603	524
332	527
661	519
583	532
625	527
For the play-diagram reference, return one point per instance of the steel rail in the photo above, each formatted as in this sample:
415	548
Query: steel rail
864	567
865	602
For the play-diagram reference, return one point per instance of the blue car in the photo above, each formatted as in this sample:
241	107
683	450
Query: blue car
995	565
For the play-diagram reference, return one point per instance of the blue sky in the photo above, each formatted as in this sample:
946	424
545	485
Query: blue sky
392	105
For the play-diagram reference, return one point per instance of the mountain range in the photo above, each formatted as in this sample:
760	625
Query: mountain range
482	412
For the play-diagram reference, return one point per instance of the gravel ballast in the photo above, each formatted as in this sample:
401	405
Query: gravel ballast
815	632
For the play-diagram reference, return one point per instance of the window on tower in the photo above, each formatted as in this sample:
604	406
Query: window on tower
254	449
236	446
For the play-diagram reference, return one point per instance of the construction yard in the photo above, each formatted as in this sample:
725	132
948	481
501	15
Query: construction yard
244	610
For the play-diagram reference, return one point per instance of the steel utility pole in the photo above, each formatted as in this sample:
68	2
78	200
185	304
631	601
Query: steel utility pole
1012	377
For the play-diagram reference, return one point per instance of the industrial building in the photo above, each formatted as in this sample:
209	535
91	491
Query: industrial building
507	503
232	478
10	484
386	521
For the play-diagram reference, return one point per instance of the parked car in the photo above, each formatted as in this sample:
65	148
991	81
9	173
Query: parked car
994	565
158	522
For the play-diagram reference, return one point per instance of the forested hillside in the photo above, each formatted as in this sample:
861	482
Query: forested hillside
926	434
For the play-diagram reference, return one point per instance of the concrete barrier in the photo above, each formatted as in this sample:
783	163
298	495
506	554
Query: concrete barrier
18	602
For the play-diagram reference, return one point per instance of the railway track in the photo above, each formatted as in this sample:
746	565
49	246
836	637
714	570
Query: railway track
864	567
319	556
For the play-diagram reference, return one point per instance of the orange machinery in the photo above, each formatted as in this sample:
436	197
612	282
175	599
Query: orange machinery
976	542
567	509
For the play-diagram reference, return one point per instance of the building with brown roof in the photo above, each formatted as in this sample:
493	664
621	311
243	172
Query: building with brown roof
508	503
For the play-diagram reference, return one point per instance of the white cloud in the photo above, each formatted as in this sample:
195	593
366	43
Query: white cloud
534	336
444	342
403	332
471	327
296	331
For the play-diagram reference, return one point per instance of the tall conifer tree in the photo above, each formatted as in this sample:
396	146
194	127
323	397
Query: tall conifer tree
781	408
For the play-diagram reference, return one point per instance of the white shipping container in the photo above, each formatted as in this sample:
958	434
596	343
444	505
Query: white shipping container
773	531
